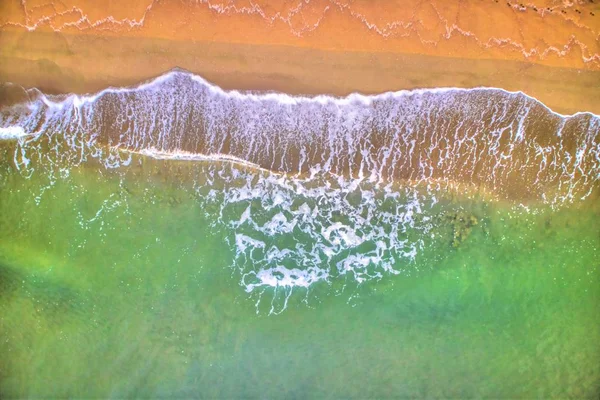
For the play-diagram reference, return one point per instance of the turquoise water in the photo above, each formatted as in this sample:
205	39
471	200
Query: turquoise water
210	278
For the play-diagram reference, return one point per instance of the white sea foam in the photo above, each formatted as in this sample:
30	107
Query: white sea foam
288	236
285	99
187	156
12	132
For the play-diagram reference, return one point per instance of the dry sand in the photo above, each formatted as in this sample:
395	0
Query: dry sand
548	49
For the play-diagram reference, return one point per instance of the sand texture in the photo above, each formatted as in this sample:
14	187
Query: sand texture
548	49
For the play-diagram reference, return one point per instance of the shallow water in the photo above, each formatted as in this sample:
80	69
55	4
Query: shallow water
125	275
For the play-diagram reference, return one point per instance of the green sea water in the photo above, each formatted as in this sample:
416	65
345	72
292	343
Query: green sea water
119	283
175	240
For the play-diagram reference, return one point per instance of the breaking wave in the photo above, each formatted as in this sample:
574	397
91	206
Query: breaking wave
320	189
508	143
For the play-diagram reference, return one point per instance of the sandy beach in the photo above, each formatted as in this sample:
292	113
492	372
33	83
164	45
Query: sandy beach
548	50
247	199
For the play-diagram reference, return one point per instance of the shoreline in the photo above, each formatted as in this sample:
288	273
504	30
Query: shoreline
285	97
62	63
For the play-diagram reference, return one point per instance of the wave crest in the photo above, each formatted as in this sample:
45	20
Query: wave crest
508	143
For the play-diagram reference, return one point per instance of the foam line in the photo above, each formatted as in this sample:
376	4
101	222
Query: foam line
283	98
187	156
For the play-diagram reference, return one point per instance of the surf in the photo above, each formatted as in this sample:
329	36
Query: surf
508	143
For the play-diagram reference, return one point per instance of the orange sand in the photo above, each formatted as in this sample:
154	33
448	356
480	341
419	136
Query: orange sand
549	49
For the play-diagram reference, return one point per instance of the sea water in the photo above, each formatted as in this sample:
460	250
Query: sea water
176	240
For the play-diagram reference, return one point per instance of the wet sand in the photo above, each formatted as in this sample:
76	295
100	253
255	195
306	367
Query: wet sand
60	63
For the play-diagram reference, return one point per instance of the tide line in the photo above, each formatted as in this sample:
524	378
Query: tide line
283	98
